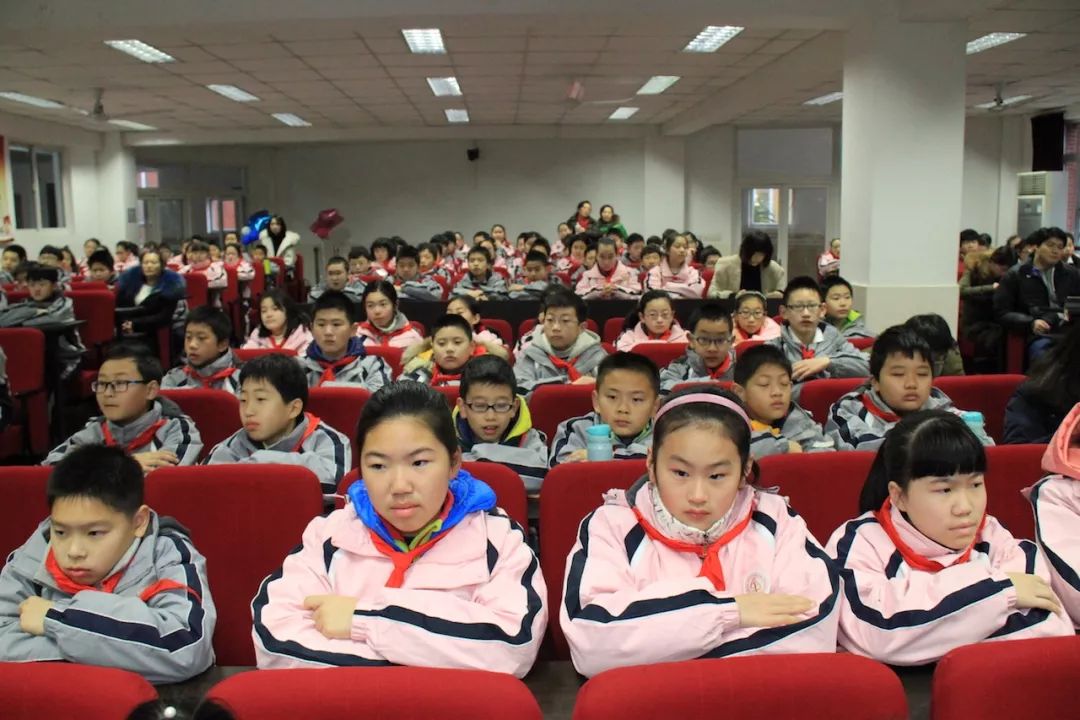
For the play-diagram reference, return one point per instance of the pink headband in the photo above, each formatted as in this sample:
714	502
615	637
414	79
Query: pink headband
704	398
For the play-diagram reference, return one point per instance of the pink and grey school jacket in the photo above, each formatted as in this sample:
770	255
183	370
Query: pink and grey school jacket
625	280
630	600
903	616
639	334
475	600
1056	500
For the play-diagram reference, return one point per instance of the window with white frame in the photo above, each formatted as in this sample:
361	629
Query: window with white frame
37	186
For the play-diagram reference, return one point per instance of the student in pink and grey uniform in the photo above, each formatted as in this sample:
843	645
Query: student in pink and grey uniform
925	568
608	279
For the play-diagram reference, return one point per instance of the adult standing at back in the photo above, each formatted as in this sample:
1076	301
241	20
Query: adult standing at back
279	241
752	269
610	222
581	221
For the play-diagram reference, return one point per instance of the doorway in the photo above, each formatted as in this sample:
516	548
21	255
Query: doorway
795	217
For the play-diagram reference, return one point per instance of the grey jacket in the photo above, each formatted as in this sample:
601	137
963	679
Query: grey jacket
570	436
422	288
691	368
58	309
523	448
494	286
353	290
846	359
798	427
166	638
534	367
852	426
325	452
178	434
370	372
180	378
534	290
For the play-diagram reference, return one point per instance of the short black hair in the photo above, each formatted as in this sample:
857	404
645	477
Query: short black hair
483	236
408	252
479	249
709	310
450	320
281	371
578	237
198	246
101	256
749	362
337	260
631	362
470	302
214	318
386	244
106	474
359	252
633	238
19	251
802	282
435	248
294	315
969	235
50	250
707	252
651	250
541	242
37	271
335	300
756	241
536	256
898	340
406	398
934	329
563	298
832	281
487	370
146	362
384	287
129	246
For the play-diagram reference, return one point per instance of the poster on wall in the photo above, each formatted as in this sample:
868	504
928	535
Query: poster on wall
7	228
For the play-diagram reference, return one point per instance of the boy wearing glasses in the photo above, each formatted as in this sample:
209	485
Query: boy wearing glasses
150	428
709	357
815	348
838	310
493	422
565	352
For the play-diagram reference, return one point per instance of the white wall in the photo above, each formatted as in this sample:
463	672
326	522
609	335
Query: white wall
996	148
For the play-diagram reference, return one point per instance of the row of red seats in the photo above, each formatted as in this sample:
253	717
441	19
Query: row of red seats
242	548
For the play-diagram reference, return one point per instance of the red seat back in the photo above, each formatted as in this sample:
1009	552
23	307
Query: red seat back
444	284
339	407
526	326
244	519
823	488
569	493
22	505
61	690
817	396
376	692
1016	679
501	328
244	355
392	356
198	290
25	351
551	404
451	393
1010	469
706	278
763	686
97	308
613	327
988	394
216	413
661	353
746	345
258	282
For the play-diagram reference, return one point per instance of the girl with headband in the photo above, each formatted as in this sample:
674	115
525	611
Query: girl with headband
693	560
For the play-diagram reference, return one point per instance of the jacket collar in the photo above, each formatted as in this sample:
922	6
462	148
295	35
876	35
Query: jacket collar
519	426
1062	455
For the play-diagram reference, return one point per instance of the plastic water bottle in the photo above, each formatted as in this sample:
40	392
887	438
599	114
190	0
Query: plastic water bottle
599	443
975	421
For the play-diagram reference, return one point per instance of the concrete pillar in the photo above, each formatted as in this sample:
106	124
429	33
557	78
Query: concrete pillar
117	193
664	185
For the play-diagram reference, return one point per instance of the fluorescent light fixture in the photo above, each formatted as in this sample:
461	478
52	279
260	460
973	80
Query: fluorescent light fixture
712	38
141	51
825	99
291	120
132	125
1005	102
658	84
457	115
30	100
426	41
444	86
992	40
623	113
233	93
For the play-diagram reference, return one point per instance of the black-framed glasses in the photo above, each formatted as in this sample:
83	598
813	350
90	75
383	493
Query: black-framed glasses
117	386
480	407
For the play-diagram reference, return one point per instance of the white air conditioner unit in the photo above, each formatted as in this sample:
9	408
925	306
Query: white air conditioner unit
1041	201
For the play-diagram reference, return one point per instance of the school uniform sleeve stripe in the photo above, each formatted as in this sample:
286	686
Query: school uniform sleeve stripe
492	556
765	521
185	438
633	540
328	551
634	610
339	451
561	441
1065	571
485	632
893	566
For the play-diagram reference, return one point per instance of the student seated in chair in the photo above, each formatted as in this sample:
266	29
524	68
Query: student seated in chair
710	356
565	352
608	279
209	361
410	284
337	278
443	356
336	356
838	311
277	430
536	271
105	580
901	382
47	305
151	428
481	282
626	395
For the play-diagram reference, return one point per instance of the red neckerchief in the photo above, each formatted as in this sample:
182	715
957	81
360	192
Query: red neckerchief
567	365
404	559
912	558
108	585
807	353
607	275
331	367
208	380
138	441
278	345
743	335
720	369
384	338
662	337
438	378
877	412
710	555
312	424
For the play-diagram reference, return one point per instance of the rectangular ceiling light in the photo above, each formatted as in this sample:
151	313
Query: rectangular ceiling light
712	38
233	93
30	100
457	115
1005	102
623	113
141	51
992	40
131	125
825	99
425	41
291	120
444	86
657	84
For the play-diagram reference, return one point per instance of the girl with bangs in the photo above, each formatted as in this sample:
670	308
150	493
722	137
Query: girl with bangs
925	568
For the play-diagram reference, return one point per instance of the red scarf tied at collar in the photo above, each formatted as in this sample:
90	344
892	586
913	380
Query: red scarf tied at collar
912	558
208	380
566	365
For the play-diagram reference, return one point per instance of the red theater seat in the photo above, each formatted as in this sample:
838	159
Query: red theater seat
216	413
244	355
551	404
613	327
661	353
392	356
502	329
988	394
339	407
22	505
451	393
817	396
1010	469
25	351
32	691
198	290
862	343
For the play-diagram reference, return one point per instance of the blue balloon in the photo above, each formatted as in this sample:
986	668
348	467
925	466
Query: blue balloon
255	225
